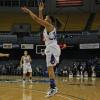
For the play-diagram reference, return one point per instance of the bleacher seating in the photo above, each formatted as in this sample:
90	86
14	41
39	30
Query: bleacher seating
5	33
8	38
89	39
38	63
27	39
18	3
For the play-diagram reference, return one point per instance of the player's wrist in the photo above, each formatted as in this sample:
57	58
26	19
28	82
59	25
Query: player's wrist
40	10
6	55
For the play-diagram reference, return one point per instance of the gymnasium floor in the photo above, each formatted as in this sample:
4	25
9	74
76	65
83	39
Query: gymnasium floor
69	89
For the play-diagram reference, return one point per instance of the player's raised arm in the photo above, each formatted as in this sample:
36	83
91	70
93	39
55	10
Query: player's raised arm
4	55
37	19
41	8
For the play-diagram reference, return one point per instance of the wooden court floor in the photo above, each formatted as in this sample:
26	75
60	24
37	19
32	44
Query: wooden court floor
69	89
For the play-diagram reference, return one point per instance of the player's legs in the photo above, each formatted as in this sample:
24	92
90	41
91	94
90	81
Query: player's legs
30	77
24	73
52	58
53	88
50	67
30	73
24	77
51	76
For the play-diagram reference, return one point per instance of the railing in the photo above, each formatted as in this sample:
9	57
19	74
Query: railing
63	3
18	3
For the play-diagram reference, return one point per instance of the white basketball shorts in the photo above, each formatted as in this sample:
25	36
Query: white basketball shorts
52	55
27	68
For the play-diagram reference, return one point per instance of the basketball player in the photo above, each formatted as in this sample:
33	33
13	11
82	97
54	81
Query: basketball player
52	50
4	55
25	62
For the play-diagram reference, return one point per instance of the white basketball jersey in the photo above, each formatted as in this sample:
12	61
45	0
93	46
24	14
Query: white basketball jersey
50	38
26	60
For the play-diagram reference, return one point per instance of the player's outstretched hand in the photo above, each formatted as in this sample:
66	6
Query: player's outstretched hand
41	6
7	55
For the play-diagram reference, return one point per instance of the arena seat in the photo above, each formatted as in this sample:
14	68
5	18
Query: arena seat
27	39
